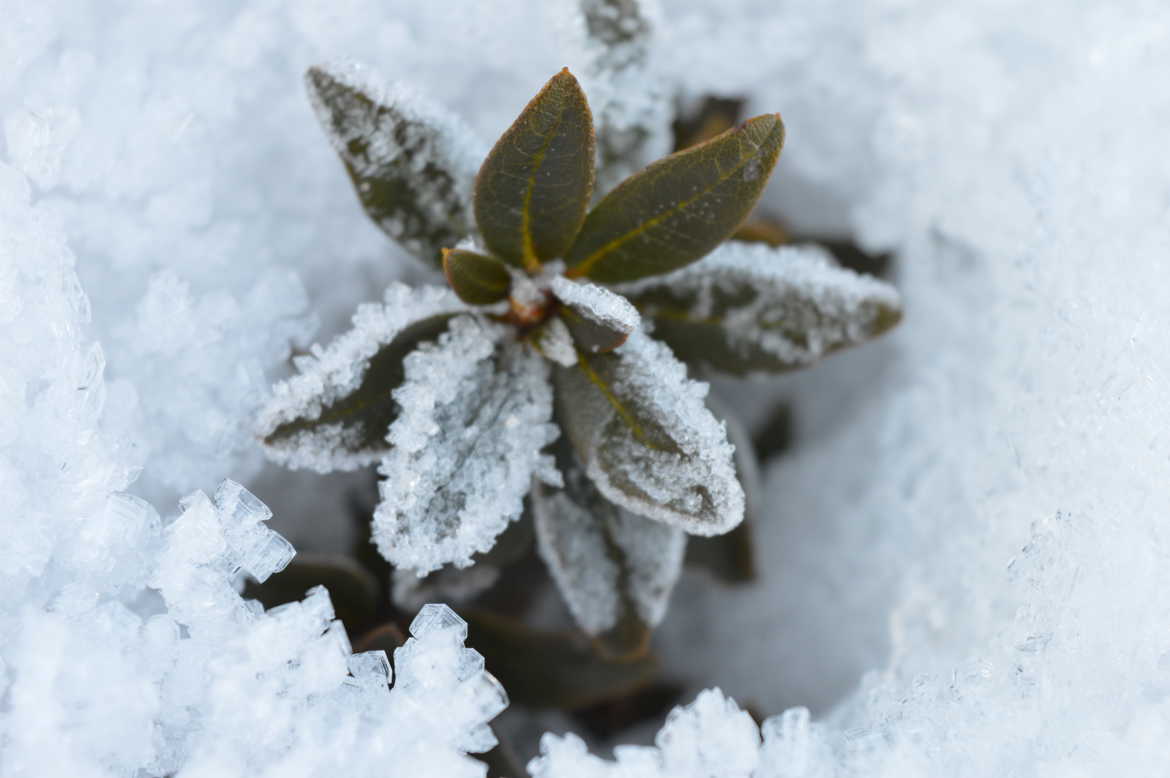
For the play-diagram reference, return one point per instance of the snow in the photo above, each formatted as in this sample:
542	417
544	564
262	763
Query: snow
965	545
709	737
476	409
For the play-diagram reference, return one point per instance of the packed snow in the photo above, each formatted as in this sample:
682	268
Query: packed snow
962	553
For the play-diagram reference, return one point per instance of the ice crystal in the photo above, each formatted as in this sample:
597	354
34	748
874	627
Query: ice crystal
464	448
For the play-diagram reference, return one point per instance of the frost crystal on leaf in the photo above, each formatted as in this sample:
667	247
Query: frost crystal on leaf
599	319
475	413
750	308
603	558
327	417
411	161
631	105
648	441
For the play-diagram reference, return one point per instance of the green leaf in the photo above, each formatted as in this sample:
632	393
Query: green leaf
753	308
476	279
645	438
410	168
731	557
534	186
615	570
354	591
679	208
544	669
349	430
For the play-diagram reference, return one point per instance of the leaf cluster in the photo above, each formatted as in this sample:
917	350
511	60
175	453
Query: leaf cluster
568	312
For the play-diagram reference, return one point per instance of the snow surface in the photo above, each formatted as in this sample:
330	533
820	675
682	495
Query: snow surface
967	547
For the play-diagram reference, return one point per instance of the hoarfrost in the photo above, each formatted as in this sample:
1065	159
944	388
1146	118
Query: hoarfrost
630	99
603	557
331	374
710	737
649	442
411	161
597	305
475	415
1011	159
750	307
556	342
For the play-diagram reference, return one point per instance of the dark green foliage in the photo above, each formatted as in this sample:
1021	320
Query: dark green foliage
534	186
476	278
679	208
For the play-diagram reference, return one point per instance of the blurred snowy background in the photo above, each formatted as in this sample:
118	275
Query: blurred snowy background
964	559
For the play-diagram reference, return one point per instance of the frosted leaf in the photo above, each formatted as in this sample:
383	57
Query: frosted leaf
749	307
647	440
411	161
334	415
556	342
475	414
610	565
598	319
631	107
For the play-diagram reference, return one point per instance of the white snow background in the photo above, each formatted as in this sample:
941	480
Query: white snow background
965	555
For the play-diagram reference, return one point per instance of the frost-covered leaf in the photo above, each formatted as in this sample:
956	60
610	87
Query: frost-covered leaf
752	308
619	30
599	320
553	339
615	570
532	190
335	413
647	440
632	104
544	669
411	162
475	414
476	278
679	208
731	556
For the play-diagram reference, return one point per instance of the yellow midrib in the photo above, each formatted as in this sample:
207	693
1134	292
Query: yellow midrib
527	249
586	264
